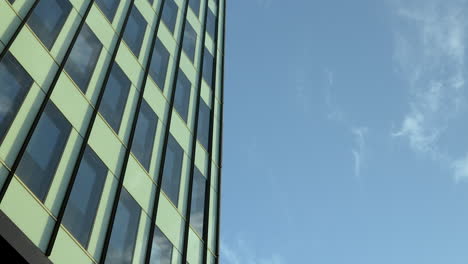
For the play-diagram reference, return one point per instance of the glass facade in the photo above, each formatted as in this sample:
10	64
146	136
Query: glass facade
111	130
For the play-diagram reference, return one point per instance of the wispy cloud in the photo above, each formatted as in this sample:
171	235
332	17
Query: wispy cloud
359	149
430	43
240	252
460	168
334	112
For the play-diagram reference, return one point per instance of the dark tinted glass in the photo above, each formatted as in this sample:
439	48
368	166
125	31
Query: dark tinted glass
14	85
161	251
151	2
203	124
182	95
42	156
48	18
83	58
169	16
145	131
11	1
195	5
84	199
172	170
208	62
124	231
211	24
159	62
197	211
115	96
108	7
135	31
190	41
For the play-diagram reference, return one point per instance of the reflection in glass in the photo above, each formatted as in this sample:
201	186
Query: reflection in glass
84	198
48	18
15	83
145	131
195	5
83	58
115	96
108	7
159	63
197	211
211	24
169	16
42	156
135	31
208	64
203	124
172	170
124	231
182	95
161	250
190	41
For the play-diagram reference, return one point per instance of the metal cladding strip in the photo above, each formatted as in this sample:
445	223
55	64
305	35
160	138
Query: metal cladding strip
194	138
220	153
64	204
18	29
166	139
211	141
130	139
43	104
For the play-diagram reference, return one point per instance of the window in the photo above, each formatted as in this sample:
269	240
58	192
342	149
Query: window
84	198
195	5
108	7
135	31
161	250
145	131
15	83
190	41
211	24
182	95
159	63
124	231
197	211
11	1
172	170
169	15
203	124
48	18
83	58
208	62
42	156
115	96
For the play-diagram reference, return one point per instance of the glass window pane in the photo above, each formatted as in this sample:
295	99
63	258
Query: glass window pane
182	95
135	31
15	83
145	131
197	211
161	250
208	62
124	231
159	63
48	18
211	24
42	156
108	7
169	16
84	198
190	41
203	124
83	58
115	97
195	5
172	170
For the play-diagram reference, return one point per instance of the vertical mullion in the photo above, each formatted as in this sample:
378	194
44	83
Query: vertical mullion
194	138
211	141
220	140
86	137
18	30
166	138
43	104
130	140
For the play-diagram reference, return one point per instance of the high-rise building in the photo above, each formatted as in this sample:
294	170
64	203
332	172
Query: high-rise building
110	130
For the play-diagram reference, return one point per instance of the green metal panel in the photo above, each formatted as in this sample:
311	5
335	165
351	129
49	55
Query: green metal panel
67	250
139	184
10	21
170	222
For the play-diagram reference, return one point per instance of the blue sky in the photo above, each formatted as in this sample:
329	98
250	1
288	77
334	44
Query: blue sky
346	132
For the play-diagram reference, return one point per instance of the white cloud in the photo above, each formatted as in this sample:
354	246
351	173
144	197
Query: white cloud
240	252
359	150
460	168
